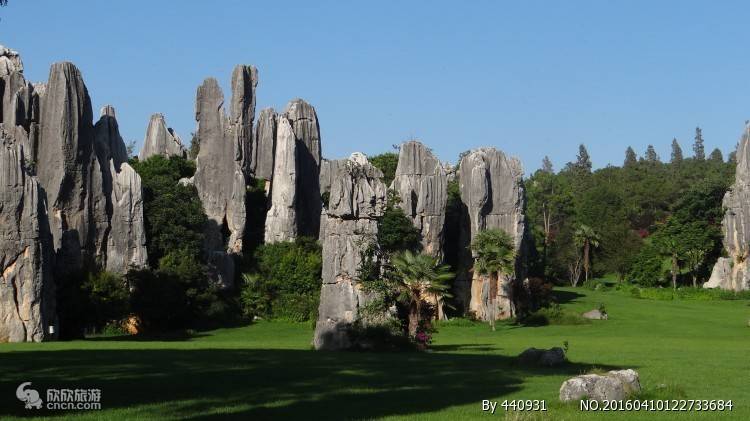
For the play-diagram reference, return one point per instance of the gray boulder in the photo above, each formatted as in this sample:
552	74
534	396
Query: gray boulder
614	385
595	315
422	184
161	140
491	187
732	272
27	289
220	179
10	61
358	197
552	357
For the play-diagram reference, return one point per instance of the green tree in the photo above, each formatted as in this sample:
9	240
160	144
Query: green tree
676	152
387	163
586	238
670	247
583	160
547	165
172	211
396	232
651	155
494	257
716	156
699	150
630	157
420	278
694	259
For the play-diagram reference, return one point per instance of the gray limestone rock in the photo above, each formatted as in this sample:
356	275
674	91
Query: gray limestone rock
10	61
422	184
27	290
358	197
732	272
614	385
281	219
304	122
595	314
69	171
244	82
125	237
264	144
220	179
161	140
552	357
492	192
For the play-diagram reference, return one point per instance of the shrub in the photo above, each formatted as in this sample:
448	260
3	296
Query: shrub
286	281
387	163
108	298
396	232
554	315
648	267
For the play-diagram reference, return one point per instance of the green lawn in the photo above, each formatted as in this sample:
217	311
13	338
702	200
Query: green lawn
267	371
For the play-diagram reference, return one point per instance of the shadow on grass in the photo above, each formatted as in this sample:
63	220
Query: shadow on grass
176	336
267	383
562	297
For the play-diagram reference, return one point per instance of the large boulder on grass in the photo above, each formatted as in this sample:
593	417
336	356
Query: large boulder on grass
552	357
613	385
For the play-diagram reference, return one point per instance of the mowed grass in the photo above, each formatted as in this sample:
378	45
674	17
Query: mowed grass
268	371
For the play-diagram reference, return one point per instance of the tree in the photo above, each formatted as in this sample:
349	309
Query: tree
586	239
676	152
694	260
670	247
732	159
547	165
387	163
195	146
699	151
716	156
583	160
651	155
419	277
495	257
630	157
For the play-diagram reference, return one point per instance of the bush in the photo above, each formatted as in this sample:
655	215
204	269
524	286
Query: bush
649	268
554	315
688	293
387	163
109	299
396	231
286	281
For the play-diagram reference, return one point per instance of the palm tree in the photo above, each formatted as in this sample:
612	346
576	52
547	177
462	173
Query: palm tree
695	261
494	256
586	238
419	276
670	248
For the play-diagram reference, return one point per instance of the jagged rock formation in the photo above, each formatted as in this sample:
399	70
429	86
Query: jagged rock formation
264	144
422	184
357	198
83	200
161	140
732	272
220	168
491	186
27	290
281	219
126	238
304	122
244	82
297	176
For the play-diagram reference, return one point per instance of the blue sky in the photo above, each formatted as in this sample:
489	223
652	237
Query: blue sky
532	78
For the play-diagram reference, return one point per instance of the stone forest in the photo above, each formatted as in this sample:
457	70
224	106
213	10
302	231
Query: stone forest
242	240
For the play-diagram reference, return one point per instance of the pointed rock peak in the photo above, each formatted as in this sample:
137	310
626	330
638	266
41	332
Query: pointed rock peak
244	82
161	140
359	158
108	111
298	109
10	61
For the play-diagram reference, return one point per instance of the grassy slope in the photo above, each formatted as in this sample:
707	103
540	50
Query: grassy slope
267	370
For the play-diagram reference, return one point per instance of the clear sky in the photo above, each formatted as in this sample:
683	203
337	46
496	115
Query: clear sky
532	78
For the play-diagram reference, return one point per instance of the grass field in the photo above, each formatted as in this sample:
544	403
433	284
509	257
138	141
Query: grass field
267	370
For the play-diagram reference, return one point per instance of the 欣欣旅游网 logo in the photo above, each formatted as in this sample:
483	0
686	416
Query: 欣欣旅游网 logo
29	397
66	399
